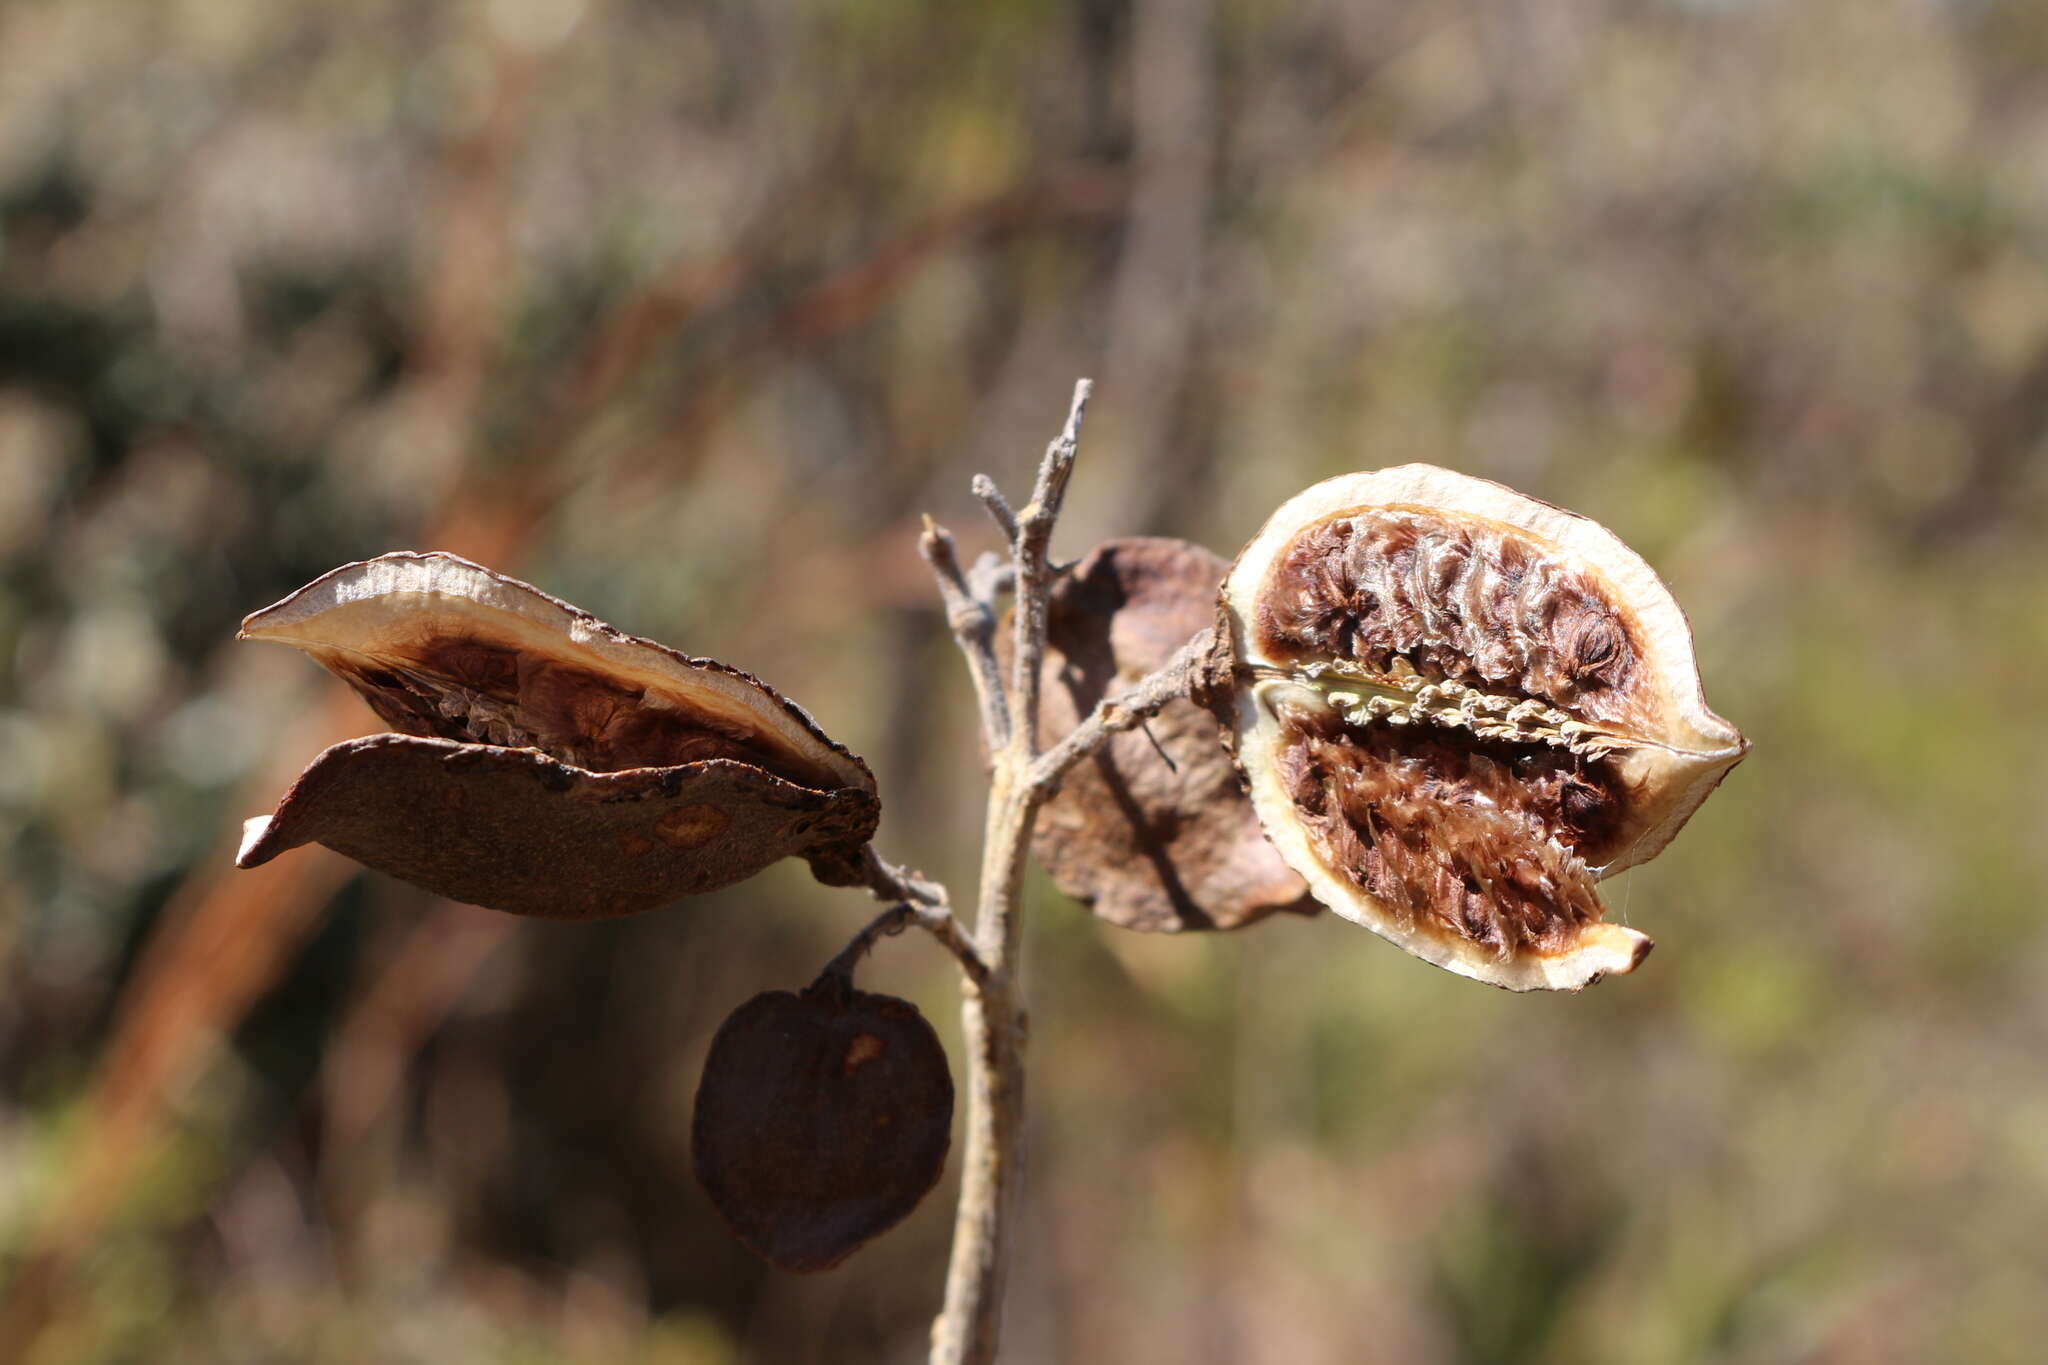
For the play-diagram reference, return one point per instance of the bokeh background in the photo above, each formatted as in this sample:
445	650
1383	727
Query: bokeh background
686	312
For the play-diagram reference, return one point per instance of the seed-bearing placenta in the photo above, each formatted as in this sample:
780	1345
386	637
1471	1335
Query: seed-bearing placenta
1458	708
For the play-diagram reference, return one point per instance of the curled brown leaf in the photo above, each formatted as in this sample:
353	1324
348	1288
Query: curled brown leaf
1154	832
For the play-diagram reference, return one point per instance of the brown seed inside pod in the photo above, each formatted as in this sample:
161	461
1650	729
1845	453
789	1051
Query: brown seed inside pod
822	1119
443	648
1154	831
1458	708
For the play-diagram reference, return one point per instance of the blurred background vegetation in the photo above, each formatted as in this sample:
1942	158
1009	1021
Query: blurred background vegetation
686	312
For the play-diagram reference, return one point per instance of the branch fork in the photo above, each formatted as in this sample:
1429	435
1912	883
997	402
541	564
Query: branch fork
1022	779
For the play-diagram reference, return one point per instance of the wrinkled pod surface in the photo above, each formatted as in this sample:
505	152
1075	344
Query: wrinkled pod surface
1457	708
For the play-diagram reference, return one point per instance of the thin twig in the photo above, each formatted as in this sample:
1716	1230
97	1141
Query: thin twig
990	578
1145	729
998	506
1125	711
929	907
1034	536
890	921
971	613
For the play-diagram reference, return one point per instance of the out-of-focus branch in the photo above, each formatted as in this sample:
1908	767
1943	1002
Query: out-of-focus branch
405	997
225	937
1155	299
852	293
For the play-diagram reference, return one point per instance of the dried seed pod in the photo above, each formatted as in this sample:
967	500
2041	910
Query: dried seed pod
1457	709
1154	832
822	1119
548	764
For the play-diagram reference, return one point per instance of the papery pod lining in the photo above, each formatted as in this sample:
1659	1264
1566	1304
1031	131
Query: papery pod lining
505	651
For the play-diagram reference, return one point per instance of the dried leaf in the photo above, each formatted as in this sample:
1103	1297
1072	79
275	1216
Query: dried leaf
549	764
822	1119
1457	709
1154	832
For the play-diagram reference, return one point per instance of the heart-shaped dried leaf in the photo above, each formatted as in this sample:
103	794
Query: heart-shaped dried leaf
1457	709
1154	831
557	766
822	1119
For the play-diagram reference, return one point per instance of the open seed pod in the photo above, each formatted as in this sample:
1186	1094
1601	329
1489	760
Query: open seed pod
1153	831
548	764
1457	709
822	1119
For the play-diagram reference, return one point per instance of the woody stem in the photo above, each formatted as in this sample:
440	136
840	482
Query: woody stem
992	1015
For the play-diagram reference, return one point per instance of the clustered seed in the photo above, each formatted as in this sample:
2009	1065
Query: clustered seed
480	694
1478	605
1450	699
1480	839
